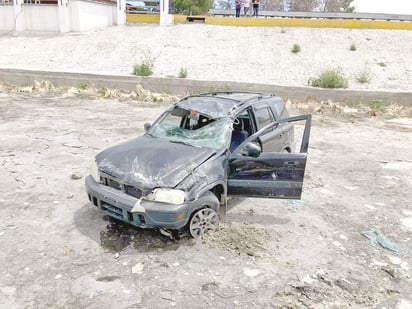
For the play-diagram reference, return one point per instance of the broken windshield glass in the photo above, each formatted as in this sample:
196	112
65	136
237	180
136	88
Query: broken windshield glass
190	128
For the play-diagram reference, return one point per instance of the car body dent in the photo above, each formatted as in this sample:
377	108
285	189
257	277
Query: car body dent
209	106
151	163
206	176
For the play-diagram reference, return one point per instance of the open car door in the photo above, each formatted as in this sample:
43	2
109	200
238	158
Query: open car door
268	174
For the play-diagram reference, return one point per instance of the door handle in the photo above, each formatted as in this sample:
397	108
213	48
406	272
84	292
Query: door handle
290	164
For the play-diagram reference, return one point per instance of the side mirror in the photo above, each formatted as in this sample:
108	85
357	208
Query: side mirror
147	126
251	150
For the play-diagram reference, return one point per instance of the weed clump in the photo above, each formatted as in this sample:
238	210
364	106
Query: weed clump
83	86
364	76
183	73
332	78
143	69
295	48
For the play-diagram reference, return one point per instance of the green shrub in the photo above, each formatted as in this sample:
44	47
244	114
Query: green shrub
143	69
83	86
382	64
296	48
183	73
364	76
376	105
332	78
352	47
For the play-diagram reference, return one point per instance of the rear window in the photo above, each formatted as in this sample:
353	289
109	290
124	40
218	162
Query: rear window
280	110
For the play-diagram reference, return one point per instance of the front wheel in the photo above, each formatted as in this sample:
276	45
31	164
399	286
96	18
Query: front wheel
203	220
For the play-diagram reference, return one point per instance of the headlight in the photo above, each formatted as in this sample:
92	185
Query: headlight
166	195
94	171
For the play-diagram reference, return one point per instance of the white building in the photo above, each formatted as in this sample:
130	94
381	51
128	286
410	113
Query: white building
60	15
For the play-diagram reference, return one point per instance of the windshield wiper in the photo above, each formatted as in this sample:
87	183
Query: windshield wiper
181	142
151	135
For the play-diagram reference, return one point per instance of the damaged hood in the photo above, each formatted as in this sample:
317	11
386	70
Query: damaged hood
148	162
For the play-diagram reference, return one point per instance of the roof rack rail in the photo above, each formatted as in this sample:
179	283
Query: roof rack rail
209	94
257	96
215	93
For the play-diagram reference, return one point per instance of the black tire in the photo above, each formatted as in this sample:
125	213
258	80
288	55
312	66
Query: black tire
204	219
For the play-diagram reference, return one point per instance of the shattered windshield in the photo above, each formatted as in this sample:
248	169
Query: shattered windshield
191	128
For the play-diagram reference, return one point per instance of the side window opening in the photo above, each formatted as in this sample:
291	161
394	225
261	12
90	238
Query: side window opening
241	130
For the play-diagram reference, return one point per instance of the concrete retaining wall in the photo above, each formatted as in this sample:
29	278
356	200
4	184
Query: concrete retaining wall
185	86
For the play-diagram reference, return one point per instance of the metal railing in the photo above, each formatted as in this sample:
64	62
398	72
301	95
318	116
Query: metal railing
318	15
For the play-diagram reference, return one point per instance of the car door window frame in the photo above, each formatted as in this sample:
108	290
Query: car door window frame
271	174
305	138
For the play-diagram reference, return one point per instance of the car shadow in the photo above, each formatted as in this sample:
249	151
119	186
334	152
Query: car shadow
115	235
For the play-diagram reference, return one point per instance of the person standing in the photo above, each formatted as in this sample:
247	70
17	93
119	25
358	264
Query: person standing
255	4
238	5
246	6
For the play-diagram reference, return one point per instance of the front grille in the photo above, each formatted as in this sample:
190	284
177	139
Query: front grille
112	210
113	184
133	191
130	190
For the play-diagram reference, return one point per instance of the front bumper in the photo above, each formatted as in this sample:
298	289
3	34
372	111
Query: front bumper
147	214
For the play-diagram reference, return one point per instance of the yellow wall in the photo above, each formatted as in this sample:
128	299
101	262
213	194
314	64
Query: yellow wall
309	23
281	22
143	18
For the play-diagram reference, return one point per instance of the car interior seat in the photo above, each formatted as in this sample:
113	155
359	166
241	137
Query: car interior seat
238	134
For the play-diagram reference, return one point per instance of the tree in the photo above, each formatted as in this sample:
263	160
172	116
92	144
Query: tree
337	6
304	5
193	6
225	4
272	5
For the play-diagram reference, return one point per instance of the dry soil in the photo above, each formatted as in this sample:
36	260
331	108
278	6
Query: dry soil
59	251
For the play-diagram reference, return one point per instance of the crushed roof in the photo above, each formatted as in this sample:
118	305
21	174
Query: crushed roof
217	105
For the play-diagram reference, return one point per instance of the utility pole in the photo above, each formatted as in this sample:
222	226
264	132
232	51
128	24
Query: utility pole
165	17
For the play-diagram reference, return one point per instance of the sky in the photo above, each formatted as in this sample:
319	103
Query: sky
383	6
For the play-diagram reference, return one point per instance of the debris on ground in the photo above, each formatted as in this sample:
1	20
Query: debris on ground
377	237
242	239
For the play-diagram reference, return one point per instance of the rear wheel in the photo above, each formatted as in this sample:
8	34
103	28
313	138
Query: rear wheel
203	220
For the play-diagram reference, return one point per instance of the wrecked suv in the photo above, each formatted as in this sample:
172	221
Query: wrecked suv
199	152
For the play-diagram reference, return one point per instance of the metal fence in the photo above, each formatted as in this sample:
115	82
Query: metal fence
319	15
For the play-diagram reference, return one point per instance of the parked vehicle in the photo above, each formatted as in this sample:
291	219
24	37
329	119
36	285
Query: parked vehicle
197	153
137	6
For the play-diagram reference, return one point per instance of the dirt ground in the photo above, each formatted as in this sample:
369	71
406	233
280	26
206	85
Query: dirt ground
59	251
